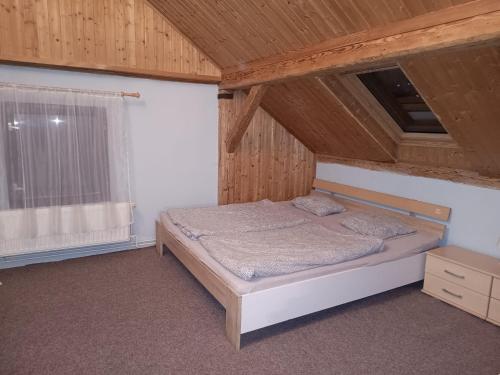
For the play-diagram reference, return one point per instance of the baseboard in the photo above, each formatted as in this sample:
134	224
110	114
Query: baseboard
58	255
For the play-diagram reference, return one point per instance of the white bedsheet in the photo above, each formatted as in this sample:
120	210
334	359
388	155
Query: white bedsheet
396	248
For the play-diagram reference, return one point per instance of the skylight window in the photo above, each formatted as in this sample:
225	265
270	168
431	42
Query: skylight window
402	101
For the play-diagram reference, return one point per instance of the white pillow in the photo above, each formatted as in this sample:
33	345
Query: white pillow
318	204
380	226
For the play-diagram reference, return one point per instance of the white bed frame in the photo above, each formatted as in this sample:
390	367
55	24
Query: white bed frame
255	310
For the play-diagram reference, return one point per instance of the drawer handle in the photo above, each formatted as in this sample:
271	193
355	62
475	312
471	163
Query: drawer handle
451	293
454	274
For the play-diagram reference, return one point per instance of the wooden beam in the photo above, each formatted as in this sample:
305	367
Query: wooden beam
251	104
473	23
409	169
108	69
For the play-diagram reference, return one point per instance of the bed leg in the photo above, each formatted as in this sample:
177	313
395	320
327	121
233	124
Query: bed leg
233	321
159	242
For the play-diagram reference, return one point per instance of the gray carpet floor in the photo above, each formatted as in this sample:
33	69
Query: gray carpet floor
134	313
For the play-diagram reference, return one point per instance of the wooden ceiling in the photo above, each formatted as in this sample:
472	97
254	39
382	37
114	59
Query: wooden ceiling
309	111
463	90
233	32
461	86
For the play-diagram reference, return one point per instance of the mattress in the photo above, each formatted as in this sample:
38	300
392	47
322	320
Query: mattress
395	248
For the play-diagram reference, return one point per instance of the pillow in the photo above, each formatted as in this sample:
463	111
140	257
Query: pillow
318	204
379	226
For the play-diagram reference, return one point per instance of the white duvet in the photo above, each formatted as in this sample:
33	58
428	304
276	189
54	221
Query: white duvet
234	218
281	251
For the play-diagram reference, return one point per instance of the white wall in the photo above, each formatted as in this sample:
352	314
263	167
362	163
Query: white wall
173	137
475	217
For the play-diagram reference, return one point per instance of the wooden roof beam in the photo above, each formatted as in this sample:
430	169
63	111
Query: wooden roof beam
244	118
473	23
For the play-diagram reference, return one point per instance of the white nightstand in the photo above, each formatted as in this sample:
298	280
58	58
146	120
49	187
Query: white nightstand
464	279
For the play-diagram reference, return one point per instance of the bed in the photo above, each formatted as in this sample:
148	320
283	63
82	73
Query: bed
251	305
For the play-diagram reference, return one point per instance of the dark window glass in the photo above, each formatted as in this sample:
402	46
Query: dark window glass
402	101
75	137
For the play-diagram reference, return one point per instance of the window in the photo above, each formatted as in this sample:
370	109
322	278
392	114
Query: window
64	179
73	137
401	100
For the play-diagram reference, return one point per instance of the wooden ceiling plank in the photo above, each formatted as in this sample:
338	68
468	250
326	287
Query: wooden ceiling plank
476	22
261	42
290	104
341	25
362	117
276	105
315	117
181	17
244	118
315	21
461	90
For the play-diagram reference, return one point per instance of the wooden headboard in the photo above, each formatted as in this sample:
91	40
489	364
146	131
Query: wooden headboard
410	207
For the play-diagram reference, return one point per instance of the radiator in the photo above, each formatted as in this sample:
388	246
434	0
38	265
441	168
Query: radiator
77	226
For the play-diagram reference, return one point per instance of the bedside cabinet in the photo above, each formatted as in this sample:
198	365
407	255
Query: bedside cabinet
494	310
464	279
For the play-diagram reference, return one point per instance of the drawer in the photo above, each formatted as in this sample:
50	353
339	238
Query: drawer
457	295
494	311
477	281
495	291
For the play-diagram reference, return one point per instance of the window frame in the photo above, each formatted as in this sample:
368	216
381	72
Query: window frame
358	89
392	105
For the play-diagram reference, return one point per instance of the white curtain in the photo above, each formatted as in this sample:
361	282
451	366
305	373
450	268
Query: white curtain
64	178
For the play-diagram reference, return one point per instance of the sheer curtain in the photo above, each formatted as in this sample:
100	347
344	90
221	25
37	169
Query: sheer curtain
64	178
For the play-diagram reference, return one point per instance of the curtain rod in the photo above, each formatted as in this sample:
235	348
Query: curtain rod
63	89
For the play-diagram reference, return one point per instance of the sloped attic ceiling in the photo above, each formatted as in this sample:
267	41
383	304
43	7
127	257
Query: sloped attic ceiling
233	32
321	112
461	88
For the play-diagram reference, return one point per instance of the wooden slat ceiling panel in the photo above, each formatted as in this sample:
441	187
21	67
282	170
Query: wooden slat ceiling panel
310	112
232	32
463	90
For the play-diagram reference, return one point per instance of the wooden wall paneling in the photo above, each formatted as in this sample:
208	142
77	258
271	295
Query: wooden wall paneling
79	31
463	90
89	31
269	162
67	23
246	114
54	23
139	30
42	27
119	36
4	26
100	30
29	33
